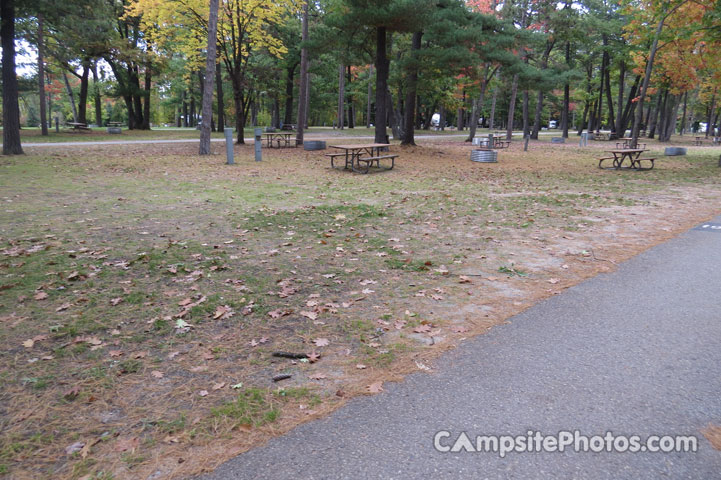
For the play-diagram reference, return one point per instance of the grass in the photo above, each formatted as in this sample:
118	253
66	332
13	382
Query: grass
103	248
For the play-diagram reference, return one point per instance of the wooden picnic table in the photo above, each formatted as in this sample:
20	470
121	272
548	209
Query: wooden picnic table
115	124
356	156
78	126
601	136
281	139
625	142
498	141
698	141
632	154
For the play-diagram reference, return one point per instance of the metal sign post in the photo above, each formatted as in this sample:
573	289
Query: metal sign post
258	144
229	145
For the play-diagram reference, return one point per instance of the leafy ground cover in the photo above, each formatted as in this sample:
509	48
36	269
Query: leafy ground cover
161	312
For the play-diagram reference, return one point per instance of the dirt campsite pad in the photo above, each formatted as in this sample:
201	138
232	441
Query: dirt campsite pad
161	312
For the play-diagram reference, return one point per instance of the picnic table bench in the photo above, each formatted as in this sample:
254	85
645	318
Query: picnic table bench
78	126
280	140
632	154
359	158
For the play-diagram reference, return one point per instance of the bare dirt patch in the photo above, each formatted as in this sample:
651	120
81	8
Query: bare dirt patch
145	290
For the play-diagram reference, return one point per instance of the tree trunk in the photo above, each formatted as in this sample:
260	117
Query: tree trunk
478	104
512	107
71	96
96	95
672	116
340	112
303	88
711	110
492	116
646	80
630	109
210	71
609	98
306	120
370	93
290	75
411	93
137	104
539	98
185	110
41	79
663	117
566	96
524	114
349	100
393	116
382	67
83	96
193	117
621	132
586	106
682	127
653	116
219	94
11	109
146	96
276	112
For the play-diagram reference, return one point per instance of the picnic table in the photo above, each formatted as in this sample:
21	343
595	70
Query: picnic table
360	157
281	139
601	136
625	142
698	141
498	141
115	124
78	126
633	155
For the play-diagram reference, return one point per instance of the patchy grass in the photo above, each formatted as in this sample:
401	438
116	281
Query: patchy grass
144	289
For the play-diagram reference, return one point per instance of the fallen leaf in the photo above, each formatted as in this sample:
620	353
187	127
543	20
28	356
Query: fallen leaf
279	313
72	394
237	386
157	374
203	393
360	366
223	312
75	447
218	386
376	387
29	343
318	376
63	307
321	342
115	353
553	281
464	279
40	296
459	329
125	444
313	357
422	329
116	301
310	315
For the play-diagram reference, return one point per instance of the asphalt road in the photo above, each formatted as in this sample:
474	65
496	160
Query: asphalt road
635	352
